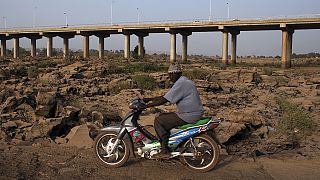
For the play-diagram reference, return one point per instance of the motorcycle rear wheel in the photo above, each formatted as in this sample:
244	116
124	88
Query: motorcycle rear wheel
208	154
104	141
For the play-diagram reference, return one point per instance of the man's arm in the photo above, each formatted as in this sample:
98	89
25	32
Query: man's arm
157	101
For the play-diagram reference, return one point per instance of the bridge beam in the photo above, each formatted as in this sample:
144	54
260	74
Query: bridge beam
185	45
127	45
173	47
286	53
234	35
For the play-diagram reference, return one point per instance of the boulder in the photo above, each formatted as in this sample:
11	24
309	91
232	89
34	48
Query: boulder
228	129
79	137
48	104
9	125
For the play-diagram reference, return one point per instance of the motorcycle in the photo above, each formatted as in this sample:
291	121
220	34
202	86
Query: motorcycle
192	143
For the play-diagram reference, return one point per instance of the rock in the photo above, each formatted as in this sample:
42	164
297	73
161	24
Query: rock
9	125
38	131
261	132
50	78
227	129
256	78
101	113
247	115
79	137
22	125
71	112
267	79
48	104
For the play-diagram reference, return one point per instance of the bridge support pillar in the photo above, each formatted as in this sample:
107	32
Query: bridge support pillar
225	38
86	46
286	48
66	38
65	47
33	47
141	50
127	45
33	40
234	46
141	46
173	51
49	46
185	45
3	48
16	47
101	47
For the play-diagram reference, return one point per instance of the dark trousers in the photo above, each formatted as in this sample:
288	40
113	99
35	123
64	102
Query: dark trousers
163	123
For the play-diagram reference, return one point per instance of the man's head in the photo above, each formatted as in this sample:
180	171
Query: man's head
174	72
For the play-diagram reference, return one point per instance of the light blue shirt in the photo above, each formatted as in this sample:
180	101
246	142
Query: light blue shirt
184	93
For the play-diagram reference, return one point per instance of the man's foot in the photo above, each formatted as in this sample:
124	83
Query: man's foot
162	155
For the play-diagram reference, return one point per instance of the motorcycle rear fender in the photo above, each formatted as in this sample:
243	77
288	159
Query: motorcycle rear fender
127	137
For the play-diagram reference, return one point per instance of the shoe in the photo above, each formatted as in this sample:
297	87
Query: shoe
162	155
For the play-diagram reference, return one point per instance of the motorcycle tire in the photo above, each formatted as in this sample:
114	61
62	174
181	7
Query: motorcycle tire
123	147
214	150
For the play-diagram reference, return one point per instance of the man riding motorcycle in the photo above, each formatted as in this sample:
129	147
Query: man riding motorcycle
189	107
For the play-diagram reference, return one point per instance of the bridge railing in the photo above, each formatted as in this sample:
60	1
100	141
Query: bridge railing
134	23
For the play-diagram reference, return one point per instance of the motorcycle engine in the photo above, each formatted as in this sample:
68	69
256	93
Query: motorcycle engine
152	152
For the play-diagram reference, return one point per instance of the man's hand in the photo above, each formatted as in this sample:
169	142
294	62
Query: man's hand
142	107
146	100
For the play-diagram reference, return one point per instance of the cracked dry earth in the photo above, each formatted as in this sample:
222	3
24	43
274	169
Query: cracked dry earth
60	162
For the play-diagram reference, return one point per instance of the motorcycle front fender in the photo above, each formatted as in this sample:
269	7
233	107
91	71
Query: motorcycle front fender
126	136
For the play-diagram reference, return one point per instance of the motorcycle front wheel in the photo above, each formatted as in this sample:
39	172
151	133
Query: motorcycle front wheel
205	152
103	145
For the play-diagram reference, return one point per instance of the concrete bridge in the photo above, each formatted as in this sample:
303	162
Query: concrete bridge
185	29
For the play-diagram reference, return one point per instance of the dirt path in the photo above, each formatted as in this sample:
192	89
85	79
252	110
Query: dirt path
58	162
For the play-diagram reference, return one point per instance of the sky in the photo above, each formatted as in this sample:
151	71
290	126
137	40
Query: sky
36	13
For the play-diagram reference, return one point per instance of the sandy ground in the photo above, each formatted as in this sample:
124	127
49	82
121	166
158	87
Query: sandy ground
60	162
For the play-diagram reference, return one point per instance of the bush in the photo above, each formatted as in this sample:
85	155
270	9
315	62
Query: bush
116	88
132	68
145	67
33	72
267	71
46	64
294	119
145	82
196	74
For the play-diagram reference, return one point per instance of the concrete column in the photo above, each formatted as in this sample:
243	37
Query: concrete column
289	52
185	45
3	48
286	48
234	47
140	46
86	46
65	47
49	46
225	39
127	46
173	43
33	47
16	48
101	47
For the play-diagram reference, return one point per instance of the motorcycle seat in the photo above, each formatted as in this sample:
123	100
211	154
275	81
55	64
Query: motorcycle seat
203	120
